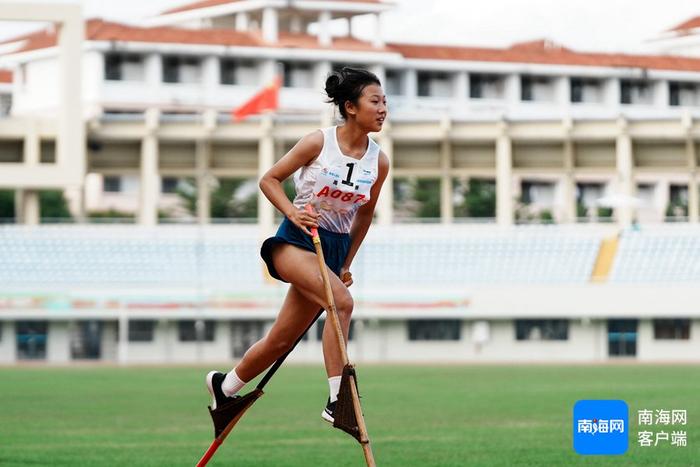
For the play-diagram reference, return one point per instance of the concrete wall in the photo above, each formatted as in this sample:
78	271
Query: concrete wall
650	349
109	341
58	342
37	89
379	341
186	352
8	347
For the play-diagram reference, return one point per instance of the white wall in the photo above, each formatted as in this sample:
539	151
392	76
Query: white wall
58	342
650	349
157	350
109	344
188	352
583	344
381	341
8	346
37	89
98	93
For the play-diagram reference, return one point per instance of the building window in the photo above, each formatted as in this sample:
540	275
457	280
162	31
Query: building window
244	334
586	90
227	71
169	184
141	330
31	339
587	195
672	329
394	82
434	84
541	329
47	154
124	67
5	104
622	337
193	331
112	184
11	151
683	94
86	339
297	75
635	92
536	89
238	72
322	322
484	86
181	69
677	202
434	329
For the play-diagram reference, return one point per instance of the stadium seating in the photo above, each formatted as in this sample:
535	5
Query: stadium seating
165	256
658	254
460	256
227	256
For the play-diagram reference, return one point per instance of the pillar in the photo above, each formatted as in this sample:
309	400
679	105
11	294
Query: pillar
446	207
569	181
27	207
266	159
693	195
504	176
269	25
203	154
325	39
385	204
624	164
149	182
242	22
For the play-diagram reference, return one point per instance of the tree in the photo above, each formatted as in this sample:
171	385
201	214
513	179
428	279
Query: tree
228	200
53	205
427	192
7	205
417	198
478	198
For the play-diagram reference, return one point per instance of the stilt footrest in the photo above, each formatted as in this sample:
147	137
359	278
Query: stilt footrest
226	416
344	415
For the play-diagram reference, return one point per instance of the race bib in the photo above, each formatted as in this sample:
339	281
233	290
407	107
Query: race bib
343	187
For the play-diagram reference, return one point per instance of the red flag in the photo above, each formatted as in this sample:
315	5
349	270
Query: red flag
267	99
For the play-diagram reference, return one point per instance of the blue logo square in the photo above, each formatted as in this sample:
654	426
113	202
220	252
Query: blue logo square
601	427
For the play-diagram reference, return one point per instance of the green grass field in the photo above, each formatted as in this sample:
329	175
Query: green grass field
416	415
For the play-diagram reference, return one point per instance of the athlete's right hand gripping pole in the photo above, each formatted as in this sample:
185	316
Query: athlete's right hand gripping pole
335	323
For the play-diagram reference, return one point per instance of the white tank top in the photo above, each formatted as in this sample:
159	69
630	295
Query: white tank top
336	185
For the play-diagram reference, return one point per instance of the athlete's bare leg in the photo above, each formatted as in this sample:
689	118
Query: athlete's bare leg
305	297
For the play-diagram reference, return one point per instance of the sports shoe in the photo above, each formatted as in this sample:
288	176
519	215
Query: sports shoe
327	413
214	380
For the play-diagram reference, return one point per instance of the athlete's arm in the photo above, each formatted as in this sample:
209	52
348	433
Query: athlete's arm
308	148
363	218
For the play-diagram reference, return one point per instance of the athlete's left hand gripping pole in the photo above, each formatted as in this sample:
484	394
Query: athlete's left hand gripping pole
335	323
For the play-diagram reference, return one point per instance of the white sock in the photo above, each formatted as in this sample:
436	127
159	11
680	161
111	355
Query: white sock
334	386
232	383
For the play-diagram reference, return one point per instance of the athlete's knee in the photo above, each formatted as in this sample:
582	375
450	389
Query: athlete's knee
344	305
280	345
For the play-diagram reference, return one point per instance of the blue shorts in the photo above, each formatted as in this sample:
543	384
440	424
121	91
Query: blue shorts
335	246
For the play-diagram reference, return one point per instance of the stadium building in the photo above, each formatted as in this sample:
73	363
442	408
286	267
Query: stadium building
542	205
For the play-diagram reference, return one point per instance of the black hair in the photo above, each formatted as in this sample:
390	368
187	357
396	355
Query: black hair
347	84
